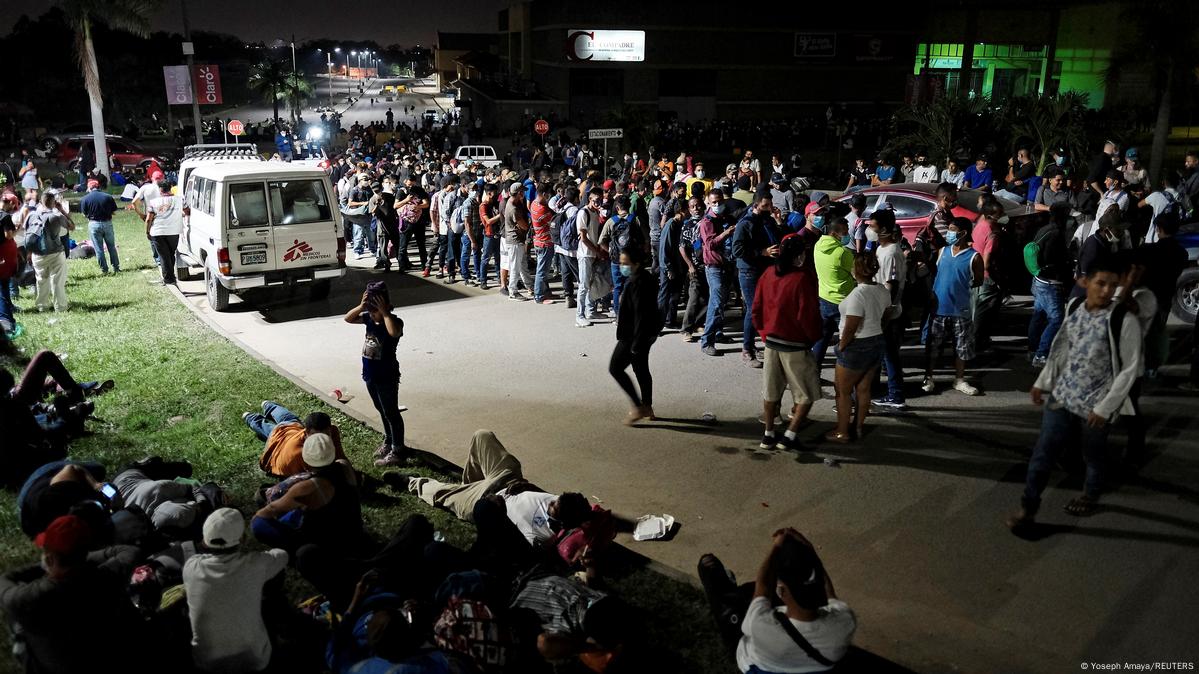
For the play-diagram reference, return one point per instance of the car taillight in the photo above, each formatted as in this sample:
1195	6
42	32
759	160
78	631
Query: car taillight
223	263
341	251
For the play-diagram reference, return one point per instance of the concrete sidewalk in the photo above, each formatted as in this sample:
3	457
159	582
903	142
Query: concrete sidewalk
909	522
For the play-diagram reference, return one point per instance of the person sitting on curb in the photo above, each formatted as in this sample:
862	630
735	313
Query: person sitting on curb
809	631
284	435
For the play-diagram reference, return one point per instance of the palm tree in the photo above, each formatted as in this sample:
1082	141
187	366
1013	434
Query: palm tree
1045	123
944	128
270	78
131	16
298	90
1161	37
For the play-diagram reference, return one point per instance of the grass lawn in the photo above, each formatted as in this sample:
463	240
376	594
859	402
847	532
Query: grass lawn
180	393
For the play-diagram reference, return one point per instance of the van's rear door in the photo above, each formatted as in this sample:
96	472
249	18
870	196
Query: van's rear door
305	227
249	237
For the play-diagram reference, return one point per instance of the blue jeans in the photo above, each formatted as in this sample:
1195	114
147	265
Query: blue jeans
103	237
893	334
360	237
453	253
372	240
830	318
491	251
749	284
6	304
714	327
468	258
569	267
541	282
1048	310
617	286
1060	428
272	415
586	303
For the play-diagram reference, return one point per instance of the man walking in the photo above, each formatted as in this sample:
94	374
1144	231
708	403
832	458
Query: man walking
98	206
755	245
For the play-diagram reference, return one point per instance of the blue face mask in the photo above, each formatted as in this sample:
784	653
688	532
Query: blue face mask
818	222
951	237
846	240
626	270
1060	160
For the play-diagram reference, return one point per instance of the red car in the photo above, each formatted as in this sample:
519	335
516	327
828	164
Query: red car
914	202
121	150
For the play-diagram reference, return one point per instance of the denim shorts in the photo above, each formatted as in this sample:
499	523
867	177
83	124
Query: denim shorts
862	354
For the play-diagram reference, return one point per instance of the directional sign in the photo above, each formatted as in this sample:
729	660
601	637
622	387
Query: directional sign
236	127
603	134
541	126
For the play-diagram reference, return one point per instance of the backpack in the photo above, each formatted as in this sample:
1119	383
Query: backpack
568	229
469	627
1032	254
622	234
556	227
36	238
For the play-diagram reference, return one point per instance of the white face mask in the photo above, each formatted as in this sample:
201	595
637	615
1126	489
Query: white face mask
871	235
699	174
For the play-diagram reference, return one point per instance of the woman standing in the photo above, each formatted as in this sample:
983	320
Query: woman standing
380	369
637	327
861	347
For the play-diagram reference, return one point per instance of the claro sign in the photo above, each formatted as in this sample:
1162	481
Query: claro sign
605	45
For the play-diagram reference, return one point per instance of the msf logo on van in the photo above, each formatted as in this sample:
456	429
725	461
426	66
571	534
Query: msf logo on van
300	251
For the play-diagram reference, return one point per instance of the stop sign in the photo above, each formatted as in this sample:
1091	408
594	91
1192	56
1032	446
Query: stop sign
236	127
541	126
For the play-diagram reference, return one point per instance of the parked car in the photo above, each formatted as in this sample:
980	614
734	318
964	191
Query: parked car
1186	297
913	203
477	154
51	141
127	153
255	224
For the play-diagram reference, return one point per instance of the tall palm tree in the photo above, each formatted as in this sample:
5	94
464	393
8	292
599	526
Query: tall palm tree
298	90
1045	123
269	77
131	16
1162	37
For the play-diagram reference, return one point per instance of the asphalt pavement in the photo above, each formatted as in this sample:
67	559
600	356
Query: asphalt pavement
909	521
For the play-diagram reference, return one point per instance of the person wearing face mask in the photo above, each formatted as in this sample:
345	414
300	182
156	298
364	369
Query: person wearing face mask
883	233
700	176
713	234
833	262
959	270
638	322
755	247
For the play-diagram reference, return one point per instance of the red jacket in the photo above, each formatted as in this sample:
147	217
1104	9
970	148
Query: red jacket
8	257
786	308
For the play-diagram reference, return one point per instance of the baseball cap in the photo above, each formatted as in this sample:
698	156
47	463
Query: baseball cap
93	183
609	184
67	534
223	529
813	207
515	188
318	450
778	179
156	176
818	197
10	197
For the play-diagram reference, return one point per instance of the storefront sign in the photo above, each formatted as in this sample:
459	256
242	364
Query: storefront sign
178	91
605	45
815	45
208	85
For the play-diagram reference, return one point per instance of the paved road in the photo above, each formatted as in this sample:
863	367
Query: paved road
909	524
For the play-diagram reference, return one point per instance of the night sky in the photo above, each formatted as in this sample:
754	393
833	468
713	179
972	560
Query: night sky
396	22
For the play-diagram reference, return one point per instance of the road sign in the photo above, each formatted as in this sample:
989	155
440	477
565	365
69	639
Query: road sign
604	134
236	127
541	126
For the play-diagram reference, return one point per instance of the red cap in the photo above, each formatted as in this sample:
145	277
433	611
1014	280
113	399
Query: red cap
93	183
9	196
813	207
156	176
609	184
66	535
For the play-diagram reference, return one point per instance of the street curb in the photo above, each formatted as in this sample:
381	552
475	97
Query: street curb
646	562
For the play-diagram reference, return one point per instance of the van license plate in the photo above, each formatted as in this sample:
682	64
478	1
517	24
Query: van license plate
253	258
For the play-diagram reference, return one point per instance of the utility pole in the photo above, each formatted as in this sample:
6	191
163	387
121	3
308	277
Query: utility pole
190	50
295	95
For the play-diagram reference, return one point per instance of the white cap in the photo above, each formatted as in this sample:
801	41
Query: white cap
318	450
223	529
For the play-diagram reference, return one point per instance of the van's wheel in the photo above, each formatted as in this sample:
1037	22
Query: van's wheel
320	290
1186	296
218	295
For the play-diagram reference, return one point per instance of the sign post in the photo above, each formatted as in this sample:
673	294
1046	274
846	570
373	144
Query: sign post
605	134
542	127
236	128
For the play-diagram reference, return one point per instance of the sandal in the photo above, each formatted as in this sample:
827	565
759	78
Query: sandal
838	437
1083	506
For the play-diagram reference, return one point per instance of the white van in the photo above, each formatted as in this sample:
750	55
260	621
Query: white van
256	224
478	154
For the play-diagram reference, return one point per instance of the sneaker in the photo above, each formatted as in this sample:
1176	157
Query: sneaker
424	273
450	280
598	314
582	323
751	360
440	274
504	290
517	296
767	442
382	450
397	480
1039	361
890	403
546	301
484	286
927	386
393	457
792	444
380	264
572	303
963	386
245	415
709	351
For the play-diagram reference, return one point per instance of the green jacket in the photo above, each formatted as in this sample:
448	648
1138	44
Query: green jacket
834	269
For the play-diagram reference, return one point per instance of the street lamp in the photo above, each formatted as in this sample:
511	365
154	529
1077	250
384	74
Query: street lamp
348	78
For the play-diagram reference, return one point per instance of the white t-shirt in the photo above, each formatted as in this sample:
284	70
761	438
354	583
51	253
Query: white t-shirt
588	224
1158	201
870	301
168	215
767	645
926	173
224	593
147	193
529	511
893	267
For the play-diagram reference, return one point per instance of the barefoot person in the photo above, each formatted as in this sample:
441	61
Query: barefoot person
1093	363
638	324
861	347
380	369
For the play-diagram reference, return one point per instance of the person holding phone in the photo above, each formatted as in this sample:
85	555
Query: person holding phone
380	369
